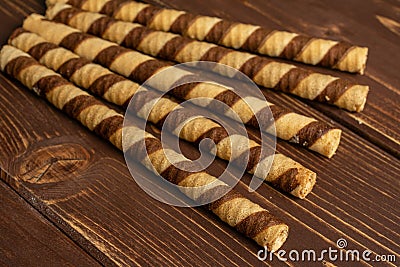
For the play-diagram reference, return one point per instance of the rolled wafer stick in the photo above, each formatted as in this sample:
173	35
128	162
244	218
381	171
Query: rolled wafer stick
290	126
233	208
310	50
285	174
265	72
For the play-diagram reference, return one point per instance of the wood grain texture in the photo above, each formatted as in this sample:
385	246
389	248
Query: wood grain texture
98	204
28	239
81	184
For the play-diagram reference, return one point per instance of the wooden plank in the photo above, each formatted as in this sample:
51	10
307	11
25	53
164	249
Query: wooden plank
82	184
28	239
100	206
356	22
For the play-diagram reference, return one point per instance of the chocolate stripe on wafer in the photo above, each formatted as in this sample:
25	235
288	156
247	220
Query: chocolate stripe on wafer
136	66
118	90
285	77
46	84
15	66
239	212
315	51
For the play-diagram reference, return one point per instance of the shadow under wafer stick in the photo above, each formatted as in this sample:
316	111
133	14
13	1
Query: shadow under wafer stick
265	72
308	132
245	216
285	174
310	50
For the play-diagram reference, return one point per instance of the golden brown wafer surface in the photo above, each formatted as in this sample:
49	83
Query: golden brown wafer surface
311	50
265	72
234	209
285	174
289	126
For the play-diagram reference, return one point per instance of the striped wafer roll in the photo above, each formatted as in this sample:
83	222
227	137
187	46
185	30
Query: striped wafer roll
265	72
285	174
233	208
310	50
290	126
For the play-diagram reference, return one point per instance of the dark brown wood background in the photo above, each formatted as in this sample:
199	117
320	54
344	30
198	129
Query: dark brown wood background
67	197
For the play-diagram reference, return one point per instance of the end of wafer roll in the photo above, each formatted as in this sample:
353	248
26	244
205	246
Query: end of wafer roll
273	237
354	98
289	175
354	61
307	180
328	143
251	219
303	180
308	132
237	211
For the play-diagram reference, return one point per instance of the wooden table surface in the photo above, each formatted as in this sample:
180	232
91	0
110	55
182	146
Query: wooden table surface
67	197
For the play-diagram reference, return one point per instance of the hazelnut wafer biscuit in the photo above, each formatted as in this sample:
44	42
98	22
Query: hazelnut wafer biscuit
290	126
310	50
233	208
285	174
265	72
